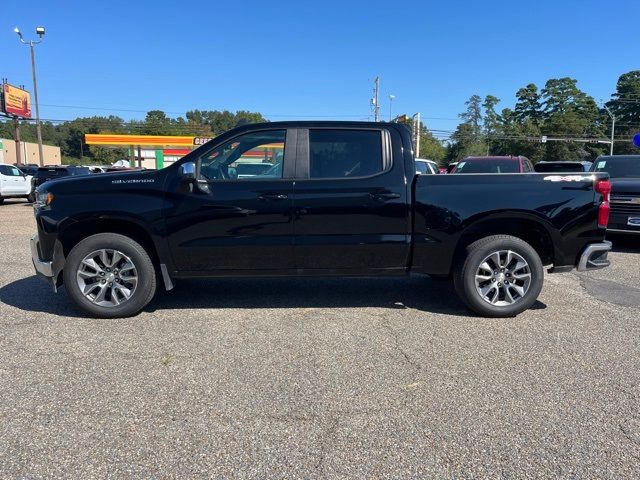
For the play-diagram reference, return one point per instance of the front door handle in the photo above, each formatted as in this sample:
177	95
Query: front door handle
384	196
273	196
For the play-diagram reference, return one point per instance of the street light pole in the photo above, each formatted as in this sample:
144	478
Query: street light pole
416	132
391	97
32	44
613	127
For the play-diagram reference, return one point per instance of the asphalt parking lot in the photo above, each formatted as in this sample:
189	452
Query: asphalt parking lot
319	378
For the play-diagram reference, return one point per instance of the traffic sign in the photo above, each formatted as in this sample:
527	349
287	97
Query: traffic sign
636	139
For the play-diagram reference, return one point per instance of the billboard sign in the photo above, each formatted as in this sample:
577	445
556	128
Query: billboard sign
16	101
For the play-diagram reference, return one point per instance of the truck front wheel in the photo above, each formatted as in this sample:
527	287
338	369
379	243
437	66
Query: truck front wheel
109	275
499	276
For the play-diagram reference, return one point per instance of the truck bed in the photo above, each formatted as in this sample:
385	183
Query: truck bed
560	211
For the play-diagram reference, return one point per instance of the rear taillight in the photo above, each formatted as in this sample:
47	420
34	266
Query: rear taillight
603	187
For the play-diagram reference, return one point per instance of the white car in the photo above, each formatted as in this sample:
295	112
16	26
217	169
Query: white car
14	184
426	167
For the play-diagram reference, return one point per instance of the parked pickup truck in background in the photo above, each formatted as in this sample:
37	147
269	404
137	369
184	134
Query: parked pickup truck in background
624	171
53	172
341	198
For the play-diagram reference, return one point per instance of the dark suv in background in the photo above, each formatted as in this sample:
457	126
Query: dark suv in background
45	174
29	169
562	167
503	164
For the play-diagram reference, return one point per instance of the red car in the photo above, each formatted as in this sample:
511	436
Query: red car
506	164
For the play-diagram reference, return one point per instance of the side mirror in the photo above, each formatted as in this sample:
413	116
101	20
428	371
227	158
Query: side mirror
188	171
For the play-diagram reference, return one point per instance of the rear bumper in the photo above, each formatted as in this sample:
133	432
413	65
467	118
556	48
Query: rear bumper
594	256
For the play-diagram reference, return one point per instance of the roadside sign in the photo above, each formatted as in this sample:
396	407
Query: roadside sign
543	139
636	139
16	101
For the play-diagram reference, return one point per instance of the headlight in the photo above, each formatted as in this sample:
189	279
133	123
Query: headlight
43	199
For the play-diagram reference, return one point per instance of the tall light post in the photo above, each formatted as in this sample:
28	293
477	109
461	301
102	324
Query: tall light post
391	97
32	44
613	126
416	132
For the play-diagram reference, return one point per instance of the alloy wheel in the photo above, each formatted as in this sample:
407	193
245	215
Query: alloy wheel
503	278
107	277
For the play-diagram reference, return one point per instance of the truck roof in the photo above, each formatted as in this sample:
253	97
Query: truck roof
495	157
319	123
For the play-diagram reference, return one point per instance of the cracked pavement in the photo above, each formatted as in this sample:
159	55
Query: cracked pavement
319	378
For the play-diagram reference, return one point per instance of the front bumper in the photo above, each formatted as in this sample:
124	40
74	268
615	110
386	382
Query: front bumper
594	256
47	269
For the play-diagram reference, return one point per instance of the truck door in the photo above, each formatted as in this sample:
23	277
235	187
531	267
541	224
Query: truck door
351	201
226	222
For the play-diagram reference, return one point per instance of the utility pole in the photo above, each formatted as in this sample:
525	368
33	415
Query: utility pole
16	136
613	127
374	101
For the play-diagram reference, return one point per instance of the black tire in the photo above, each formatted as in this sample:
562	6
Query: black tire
464	277
31	197
141	295
1	200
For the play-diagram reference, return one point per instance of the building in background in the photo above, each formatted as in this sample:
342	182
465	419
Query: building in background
29	153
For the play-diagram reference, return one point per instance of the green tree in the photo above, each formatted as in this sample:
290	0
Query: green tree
157	123
221	121
430	146
528	106
467	139
71	137
518	137
464	143
625	105
561	95
491	124
472	116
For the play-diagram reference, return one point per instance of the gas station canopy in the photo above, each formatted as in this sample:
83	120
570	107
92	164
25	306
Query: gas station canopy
146	140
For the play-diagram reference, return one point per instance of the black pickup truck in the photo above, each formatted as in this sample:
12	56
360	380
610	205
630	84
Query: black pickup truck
338	198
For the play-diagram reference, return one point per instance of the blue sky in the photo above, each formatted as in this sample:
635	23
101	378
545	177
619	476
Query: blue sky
292	60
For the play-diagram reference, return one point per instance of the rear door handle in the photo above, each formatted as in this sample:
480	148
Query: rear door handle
273	196
384	196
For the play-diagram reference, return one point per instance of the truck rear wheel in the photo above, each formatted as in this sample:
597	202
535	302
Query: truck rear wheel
499	276
108	275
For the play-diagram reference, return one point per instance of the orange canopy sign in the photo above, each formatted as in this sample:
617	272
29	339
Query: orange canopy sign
16	101
148	140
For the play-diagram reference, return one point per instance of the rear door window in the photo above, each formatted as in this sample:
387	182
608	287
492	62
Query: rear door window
337	153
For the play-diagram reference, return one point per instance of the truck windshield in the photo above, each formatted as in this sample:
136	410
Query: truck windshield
488	166
618	167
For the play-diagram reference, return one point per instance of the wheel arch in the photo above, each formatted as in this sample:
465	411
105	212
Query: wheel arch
72	233
522	225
